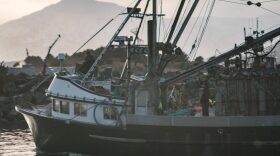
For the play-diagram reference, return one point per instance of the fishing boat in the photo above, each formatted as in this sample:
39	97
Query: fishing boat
81	120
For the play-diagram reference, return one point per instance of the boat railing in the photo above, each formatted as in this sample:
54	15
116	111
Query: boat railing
119	123
42	109
86	100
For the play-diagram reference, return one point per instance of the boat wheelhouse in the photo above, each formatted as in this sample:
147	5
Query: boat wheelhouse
71	101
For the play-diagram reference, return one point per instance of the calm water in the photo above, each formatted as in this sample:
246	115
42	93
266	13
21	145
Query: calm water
19	142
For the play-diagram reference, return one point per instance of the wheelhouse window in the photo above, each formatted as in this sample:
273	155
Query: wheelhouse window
80	109
64	107
110	113
55	105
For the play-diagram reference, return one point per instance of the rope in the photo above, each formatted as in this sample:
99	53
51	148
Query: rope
160	20
199	33
182	19
205	26
269	1
94	35
194	45
170	23
118	116
273	27
270	11
255	4
110	21
233	2
140	24
79	114
185	43
276	44
92	68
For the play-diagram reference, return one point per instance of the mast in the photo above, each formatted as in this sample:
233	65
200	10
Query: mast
154	25
154	52
152	41
152	78
257	28
153	75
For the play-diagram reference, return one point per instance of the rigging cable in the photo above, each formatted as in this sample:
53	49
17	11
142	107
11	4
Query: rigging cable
175	21
98	59
144	27
272	27
272	49
140	24
185	43
110	21
182	19
232	2
269	1
94	35
205	26
170	23
258	4
270	11
199	32
194	24
164	29
160	20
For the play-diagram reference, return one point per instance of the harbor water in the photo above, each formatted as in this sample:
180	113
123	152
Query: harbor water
16	142
19	142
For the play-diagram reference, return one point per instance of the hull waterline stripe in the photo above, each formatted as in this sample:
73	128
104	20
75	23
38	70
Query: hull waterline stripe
118	139
126	140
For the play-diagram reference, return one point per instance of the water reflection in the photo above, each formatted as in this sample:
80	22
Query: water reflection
20	142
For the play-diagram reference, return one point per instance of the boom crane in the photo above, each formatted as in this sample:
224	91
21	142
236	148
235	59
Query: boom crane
237	50
46	58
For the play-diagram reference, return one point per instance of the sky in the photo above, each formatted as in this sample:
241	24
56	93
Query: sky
222	8
13	9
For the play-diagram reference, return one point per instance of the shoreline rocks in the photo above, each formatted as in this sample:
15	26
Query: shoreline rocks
9	118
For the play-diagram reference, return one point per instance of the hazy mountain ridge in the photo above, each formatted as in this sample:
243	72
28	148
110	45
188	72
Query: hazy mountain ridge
77	20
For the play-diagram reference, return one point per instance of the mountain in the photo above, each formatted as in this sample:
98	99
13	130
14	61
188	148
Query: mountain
78	20
75	20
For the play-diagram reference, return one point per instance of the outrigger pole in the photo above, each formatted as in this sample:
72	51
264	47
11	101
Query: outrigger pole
179	34
140	24
46	58
237	50
92	68
154	52
175	21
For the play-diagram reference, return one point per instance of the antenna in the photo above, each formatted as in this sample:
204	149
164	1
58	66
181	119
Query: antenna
258	32
27	52
245	32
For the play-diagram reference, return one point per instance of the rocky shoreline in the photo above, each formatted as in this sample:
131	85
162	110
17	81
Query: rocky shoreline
9	118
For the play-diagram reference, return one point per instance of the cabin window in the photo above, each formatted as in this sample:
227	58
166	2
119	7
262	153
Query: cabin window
64	107
55	104
80	109
110	113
